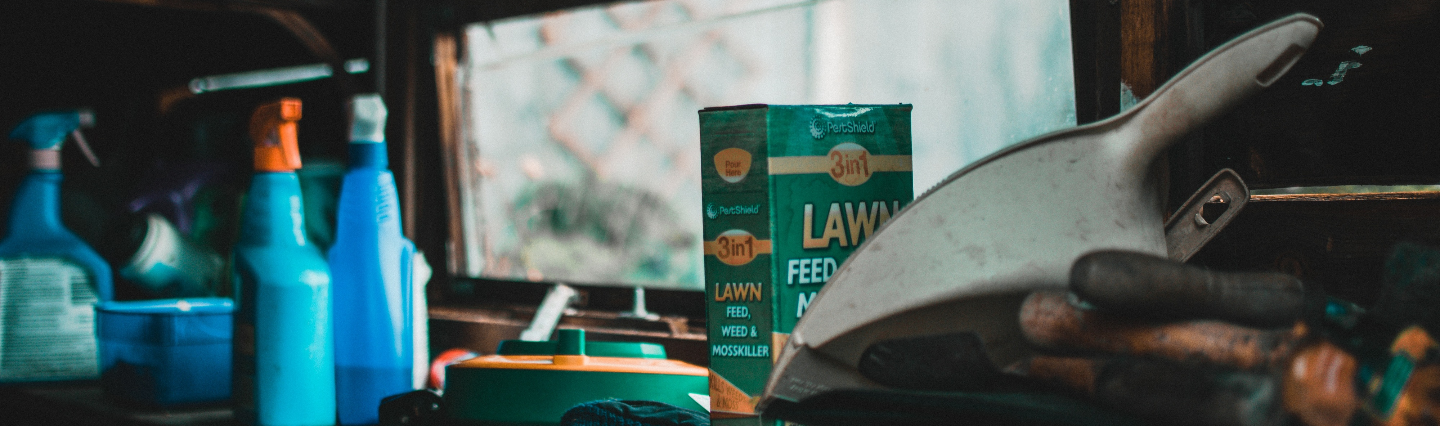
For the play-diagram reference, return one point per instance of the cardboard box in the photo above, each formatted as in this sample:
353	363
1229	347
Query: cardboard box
788	192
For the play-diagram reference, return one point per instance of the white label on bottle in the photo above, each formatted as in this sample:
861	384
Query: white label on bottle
47	321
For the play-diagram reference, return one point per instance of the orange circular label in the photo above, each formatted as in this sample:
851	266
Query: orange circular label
850	164
733	164
735	247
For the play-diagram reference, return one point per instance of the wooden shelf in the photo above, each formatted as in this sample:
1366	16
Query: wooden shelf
84	404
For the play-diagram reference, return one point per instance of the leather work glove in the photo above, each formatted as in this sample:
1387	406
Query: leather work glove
1163	342
1179	344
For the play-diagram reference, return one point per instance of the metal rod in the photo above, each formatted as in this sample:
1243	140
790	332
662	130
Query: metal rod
273	77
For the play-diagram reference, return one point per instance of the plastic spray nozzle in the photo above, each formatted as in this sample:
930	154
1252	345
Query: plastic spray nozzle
367	118
273	128
47	132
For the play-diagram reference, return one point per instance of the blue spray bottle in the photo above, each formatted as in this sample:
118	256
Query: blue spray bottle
49	278
284	363
371	262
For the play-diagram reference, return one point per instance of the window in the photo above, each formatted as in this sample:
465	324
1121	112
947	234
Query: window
580	159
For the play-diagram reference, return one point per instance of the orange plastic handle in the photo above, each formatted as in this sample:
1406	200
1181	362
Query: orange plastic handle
273	128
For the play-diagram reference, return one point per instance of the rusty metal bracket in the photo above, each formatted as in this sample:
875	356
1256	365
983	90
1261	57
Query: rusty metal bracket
1205	214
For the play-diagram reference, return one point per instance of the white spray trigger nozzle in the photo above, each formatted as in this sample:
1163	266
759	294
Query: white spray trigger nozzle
84	146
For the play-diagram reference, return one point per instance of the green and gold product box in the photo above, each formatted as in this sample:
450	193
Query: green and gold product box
789	191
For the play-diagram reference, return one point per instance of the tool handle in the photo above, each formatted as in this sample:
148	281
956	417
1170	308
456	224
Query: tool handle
1216	82
1150	286
1319	385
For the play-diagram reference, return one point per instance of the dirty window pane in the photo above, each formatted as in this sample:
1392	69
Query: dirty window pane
581	139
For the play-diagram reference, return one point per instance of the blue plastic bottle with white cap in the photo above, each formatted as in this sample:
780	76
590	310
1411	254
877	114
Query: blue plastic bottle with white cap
370	263
49	278
284	371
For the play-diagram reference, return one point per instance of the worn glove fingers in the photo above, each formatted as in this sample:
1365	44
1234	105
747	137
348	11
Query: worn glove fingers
1143	285
1048	320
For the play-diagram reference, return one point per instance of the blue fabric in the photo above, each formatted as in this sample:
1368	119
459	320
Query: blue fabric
612	412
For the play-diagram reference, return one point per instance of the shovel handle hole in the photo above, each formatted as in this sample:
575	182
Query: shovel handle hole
1281	64
1213	208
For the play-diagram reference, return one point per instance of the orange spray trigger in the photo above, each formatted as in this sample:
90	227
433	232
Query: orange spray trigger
273	128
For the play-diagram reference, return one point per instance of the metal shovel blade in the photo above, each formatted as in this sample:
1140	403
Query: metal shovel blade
961	257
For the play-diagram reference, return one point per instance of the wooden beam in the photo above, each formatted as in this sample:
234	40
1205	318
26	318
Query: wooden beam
1095	47
408	120
411	93
245	5
1142	28
484	11
447	92
1158	38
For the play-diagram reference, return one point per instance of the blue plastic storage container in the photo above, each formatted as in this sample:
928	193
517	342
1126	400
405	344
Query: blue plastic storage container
166	352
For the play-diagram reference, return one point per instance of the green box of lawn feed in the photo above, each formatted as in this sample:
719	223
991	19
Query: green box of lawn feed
789	191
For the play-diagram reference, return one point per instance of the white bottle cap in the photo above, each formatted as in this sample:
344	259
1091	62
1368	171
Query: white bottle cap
367	119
